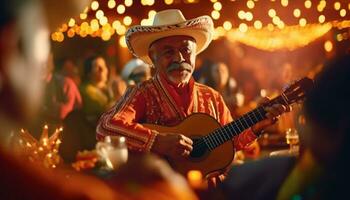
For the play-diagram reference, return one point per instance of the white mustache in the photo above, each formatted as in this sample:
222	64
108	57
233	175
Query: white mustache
176	66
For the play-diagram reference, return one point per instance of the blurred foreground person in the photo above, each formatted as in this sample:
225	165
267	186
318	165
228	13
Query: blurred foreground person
147	177
24	48
322	171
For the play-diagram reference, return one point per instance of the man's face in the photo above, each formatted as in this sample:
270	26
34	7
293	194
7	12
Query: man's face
174	57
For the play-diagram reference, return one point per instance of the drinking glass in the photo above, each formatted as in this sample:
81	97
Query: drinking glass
292	138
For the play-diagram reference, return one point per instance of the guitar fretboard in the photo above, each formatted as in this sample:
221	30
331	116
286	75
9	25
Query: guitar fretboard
227	132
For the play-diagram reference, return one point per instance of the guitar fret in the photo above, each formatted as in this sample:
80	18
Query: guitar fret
215	139
207	143
250	119
255	116
233	131
221	140
239	120
245	122
210	142
226	133
262	117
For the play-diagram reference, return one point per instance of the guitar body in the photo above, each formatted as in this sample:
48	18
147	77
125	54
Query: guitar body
196	126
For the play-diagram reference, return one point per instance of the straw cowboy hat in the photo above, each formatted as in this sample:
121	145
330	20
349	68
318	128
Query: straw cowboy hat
169	23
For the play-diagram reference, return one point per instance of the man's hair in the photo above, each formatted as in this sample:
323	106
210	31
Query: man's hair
88	63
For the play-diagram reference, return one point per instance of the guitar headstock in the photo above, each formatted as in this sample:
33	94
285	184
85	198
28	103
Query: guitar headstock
297	91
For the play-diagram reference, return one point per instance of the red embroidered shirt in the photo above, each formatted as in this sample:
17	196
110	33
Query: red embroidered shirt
157	101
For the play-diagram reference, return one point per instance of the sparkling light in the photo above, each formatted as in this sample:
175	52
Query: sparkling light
217	6
302	22
128	3
168	2
250	4
307	4
215	14
328	46
99	14
337	5
258	24
296	12
342	12
284	3
272	12
94	5
122	42
151	14
227	25
121	9
243	27
116	24
71	22
111	4
241	14
83	16
249	16
127	20
321	18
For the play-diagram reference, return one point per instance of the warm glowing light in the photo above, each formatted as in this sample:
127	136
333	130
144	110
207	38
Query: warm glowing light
94	25
337	5
227	25
151	14
111	4
241	14
328	46
215	14
249	16
307	4
258	24
83	16
321	6
217	6
128	3
270	27
195	178
302	22
296	12
127	20
284	3
103	20
121	30
342	12
120	9
280	25
116	24
243	27
94	5
168	2
122	42
276	20
321	18
71	22
99	14
105	35
272	12
339	37
250	4
146	22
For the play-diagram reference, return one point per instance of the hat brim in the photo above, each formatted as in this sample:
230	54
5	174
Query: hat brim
139	38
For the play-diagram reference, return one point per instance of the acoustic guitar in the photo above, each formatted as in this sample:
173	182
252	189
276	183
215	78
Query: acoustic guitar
213	149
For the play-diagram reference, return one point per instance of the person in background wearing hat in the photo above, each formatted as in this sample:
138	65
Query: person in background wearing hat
171	46
136	71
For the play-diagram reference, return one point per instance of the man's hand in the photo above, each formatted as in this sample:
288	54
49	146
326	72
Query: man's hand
172	145
272	113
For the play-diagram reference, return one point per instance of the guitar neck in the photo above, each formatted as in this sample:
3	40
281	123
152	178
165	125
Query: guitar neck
227	132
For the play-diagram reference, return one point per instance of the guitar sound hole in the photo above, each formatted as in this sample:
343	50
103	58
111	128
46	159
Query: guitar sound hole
199	149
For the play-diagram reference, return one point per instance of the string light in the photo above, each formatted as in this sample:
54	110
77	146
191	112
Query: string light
328	46
284	3
227	25
272	12
258	24
168	2
321	18
215	14
302	22
307	4
337	5
127	20
217	6
128	3
250	4
94	5
121	9
296	12
342	12
111	4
